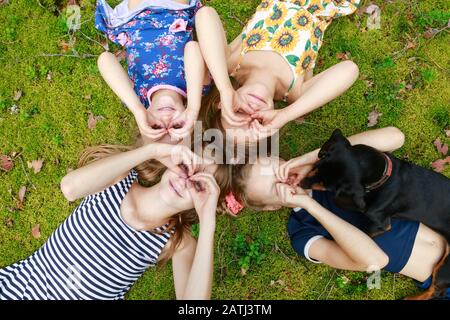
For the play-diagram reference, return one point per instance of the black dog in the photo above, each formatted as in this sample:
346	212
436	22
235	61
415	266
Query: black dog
381	186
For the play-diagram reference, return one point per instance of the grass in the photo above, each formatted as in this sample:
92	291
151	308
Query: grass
409	87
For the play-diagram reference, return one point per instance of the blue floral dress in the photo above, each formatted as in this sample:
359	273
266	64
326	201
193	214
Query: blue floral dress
154	36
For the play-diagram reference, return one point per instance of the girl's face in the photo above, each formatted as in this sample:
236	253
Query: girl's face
254	96
166	106
260	186
174	190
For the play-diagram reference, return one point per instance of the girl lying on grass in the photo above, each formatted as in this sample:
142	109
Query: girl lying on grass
121	228
165	68
272	59
323	233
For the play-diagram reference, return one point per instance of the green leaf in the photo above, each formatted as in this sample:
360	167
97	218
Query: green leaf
292	59
315	47
259	24
271	29
308	45
288	23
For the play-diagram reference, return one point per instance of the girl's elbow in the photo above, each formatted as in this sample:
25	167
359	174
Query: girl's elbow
67	189
397	135
378	263
205	13
352	70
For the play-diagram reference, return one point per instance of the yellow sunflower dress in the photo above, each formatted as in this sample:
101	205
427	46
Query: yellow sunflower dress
294	29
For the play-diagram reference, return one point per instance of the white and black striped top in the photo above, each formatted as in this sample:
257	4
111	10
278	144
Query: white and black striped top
93	254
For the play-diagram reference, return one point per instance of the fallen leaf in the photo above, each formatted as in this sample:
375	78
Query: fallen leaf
373	118
2	2
430	33
17	95
6	163
92	120
409	87
447	132
14	109
21	194
9	222
120	55
439	165
410	45
36	231
343	56
441	148
49	76
243	272
36	165
374	19
412	59
64	46
87	97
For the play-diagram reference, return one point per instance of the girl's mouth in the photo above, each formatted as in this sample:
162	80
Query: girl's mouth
175	189
254	96
166	109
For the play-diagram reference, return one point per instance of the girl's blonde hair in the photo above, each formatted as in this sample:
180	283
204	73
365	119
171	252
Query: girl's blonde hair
148	172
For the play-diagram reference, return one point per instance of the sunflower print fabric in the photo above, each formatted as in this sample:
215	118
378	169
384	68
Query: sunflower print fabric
293	28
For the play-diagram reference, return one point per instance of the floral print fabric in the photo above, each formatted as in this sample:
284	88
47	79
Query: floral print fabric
293	28
154	40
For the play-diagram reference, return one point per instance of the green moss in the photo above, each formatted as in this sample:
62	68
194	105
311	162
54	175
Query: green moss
52	124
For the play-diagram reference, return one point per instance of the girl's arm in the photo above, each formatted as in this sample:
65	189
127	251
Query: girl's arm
385	139
195	71
317	91
215	51
103	173
351	249
193	265
117	79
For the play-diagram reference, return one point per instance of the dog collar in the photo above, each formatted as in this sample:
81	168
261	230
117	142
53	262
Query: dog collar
386	174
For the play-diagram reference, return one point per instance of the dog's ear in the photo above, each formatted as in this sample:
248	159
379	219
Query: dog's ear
354	192
336	142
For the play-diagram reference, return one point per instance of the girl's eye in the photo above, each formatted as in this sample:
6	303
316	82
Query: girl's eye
177	126
156	127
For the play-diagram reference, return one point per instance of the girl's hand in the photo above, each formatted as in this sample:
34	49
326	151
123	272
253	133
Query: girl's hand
259	132
205	193
178	158
292	197
292	173
271	119
230	104
150	128
181	126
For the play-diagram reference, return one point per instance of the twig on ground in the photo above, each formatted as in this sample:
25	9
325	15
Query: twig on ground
80	56
26	174
324	289
231	15
105	47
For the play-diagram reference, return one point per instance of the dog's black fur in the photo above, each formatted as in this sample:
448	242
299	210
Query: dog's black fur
411	192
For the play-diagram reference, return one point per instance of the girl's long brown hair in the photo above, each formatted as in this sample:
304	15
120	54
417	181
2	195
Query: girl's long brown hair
148	173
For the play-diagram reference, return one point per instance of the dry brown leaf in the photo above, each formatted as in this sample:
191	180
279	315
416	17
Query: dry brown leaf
92	120
343	56
120	55
9	222
36	165
21	194
442	148
439	165
6	163
410	45
17	95
374	19
36	231
373	118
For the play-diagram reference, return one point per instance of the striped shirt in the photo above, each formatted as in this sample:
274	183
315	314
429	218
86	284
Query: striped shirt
93	254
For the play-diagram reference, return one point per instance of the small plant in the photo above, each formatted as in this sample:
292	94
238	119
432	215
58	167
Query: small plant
353	284
428	75
31	72
249	251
